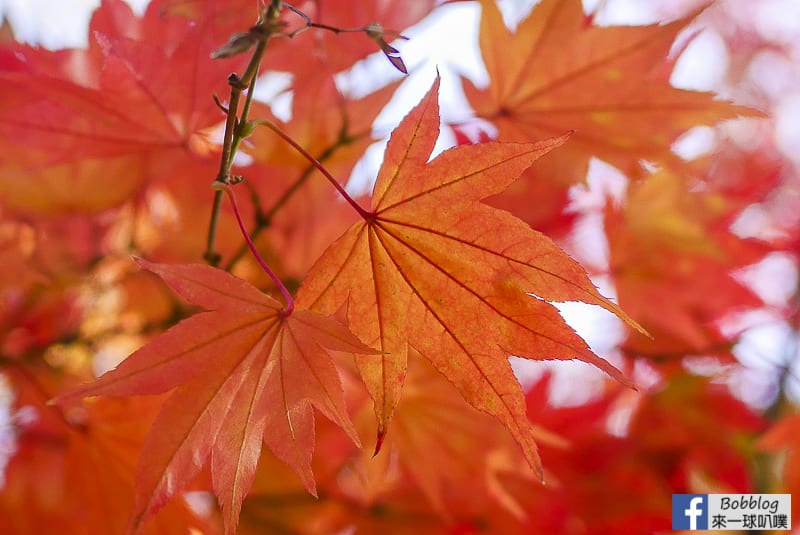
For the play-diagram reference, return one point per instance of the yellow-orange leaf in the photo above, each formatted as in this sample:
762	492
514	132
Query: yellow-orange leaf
462	283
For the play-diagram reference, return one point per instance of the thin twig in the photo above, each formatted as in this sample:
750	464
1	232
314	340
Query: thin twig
235	127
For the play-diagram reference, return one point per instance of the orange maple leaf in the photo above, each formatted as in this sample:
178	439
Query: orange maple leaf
462	283
243	372
558	72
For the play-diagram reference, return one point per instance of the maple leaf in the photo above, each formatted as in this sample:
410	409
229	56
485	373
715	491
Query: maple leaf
674	246
243	372
464	284
79	117
558	72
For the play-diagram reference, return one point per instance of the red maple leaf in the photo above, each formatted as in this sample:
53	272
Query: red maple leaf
242	372
81	120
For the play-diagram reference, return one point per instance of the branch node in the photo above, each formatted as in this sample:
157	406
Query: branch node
236	82
213	258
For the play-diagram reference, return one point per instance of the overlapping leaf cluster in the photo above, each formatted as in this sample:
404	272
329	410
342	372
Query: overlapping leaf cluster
407	308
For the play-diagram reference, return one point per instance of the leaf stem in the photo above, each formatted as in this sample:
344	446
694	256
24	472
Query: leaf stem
224	187
367	215
264	218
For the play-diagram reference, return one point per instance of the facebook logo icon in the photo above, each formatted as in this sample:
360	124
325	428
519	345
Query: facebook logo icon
690	511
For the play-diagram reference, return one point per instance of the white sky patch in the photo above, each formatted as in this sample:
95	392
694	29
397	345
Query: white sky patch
771	70
755	221
54	24
272	89
778	21
754	386
8	442
772	279
787	126
51	24
572	382
767	346
765	350
703	65
599	327
588	241
696	142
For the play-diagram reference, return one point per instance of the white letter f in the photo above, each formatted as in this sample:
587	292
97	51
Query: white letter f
693	512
